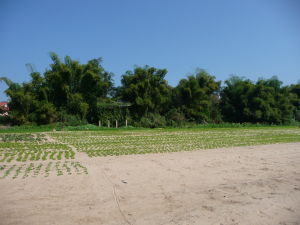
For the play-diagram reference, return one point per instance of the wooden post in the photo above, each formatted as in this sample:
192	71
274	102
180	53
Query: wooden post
126	123
99	123
116	123
108	123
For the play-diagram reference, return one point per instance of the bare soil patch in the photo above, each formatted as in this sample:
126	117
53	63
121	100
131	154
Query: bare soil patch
239	185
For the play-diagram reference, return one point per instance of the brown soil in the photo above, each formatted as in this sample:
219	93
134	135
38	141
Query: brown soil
241	185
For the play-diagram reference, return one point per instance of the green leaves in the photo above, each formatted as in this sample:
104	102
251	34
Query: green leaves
107	143
263	102
67	86
85	93
196	96
146	89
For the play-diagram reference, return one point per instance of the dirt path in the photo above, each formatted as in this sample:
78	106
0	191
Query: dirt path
241	185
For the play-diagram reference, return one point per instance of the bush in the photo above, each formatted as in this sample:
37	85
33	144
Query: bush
4	120
151	121
70	120
176	118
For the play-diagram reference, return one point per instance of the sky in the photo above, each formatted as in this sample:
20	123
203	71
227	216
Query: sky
250	38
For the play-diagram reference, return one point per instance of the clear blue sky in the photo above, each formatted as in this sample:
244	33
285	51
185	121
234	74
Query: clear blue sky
252	38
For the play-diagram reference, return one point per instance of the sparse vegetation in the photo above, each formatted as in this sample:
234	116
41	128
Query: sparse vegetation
26	155
122	142
21	137
23	152
42	169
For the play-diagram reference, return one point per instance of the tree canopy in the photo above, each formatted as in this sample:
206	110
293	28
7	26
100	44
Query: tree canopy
265	101
197	97
146	89
71	91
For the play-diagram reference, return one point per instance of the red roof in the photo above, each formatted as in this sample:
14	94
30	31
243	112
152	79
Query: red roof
4	106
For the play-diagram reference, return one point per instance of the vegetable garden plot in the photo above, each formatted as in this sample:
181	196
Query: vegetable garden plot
27	151
101	143
41	169
22	138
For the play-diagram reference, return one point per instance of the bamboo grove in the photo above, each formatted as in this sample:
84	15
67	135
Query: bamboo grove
73	93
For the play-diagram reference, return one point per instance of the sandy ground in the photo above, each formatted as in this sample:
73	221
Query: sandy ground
242	185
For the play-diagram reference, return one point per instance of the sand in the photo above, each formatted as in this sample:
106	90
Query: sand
240	185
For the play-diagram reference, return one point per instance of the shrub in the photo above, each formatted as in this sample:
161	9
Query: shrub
175	118
152	121
70	120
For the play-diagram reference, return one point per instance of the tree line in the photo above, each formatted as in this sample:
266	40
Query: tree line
73	93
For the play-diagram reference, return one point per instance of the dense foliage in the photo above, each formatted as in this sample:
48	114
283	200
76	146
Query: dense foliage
73	93
265	101
197	97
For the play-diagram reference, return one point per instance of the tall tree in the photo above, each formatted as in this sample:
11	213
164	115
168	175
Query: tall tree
25	104
266	101
146	89
68	87
294	94
234	99
197	96
77	88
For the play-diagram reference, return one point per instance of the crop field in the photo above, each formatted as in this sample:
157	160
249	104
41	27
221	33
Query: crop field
30	155
109	143
22	152
29	147
96	177
40	169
